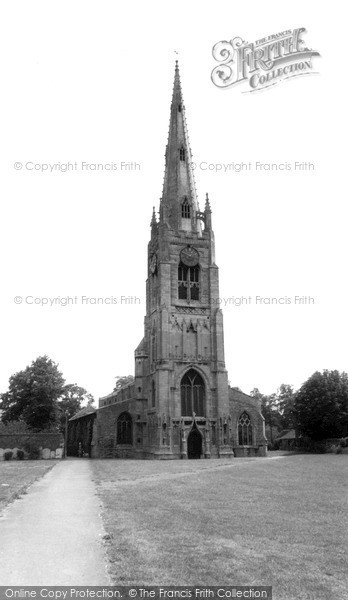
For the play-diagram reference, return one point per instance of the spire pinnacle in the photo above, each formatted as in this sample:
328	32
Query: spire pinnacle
153	219
179	185
207	203
177	94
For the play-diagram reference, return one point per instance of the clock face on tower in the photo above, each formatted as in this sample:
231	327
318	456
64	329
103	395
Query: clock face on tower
153	264
189	256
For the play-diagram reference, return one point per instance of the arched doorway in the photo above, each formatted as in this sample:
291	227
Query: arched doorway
194	444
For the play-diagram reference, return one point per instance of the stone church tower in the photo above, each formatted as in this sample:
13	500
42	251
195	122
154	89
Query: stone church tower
182	354
180	404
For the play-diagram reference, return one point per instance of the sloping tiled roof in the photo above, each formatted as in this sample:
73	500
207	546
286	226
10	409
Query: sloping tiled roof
290	435
141	347
237	394
87	410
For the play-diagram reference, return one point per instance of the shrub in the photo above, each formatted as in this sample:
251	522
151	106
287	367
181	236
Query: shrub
8	455
314	447
32	449
20	454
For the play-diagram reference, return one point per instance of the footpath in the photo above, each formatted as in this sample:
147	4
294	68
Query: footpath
52	536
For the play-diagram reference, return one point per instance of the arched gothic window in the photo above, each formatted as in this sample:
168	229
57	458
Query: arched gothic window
188	282
182	154
153	345
124	429
192	394
245	434
185	209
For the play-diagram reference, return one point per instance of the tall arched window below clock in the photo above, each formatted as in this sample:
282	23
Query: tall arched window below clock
192	391
188	282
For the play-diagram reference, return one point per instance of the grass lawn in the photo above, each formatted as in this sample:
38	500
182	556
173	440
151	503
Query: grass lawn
16	476
278	521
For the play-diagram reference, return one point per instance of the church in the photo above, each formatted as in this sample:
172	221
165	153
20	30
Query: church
179	405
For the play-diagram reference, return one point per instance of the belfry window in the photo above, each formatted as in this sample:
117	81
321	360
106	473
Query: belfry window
192	394
153	394
124	429
185	209
188	282
179	107
182	154
245	434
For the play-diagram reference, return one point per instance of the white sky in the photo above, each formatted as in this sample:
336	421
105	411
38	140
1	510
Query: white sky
92	81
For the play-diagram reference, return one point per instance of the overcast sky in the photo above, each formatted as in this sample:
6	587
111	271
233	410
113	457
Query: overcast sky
91	82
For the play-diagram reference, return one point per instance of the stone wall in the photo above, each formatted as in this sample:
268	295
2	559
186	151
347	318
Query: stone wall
45	445
105	434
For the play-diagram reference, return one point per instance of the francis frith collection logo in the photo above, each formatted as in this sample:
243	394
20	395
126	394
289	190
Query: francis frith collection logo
263	63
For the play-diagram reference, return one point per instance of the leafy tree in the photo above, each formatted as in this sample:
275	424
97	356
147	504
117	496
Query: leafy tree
33	394
122	380
255	393
13	427
286	399
321	406
270	412
73	398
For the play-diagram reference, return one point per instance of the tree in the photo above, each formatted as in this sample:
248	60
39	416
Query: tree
122	380
255	393
270	412
286	399
32	395
13	427
321	406
73	398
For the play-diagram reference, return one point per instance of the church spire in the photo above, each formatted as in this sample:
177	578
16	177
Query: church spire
179	185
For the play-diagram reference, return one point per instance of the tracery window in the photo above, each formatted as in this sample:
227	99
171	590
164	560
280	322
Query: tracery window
153	393
192	394
245	434
182	154
124	429
185	209
188	282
